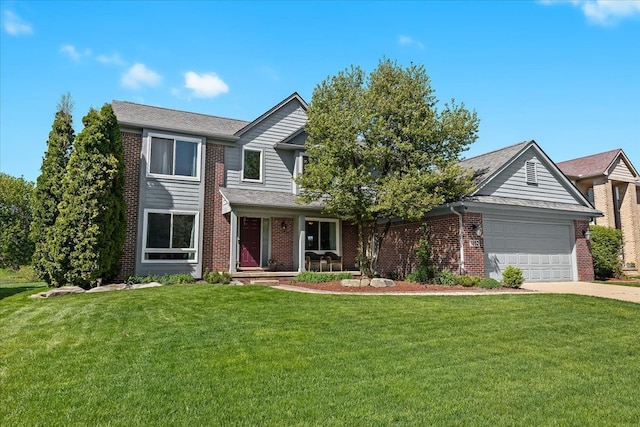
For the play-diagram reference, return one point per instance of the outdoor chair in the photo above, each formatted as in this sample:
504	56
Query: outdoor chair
333	260
313	260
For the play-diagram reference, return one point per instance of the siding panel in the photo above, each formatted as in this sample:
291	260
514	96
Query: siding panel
511	182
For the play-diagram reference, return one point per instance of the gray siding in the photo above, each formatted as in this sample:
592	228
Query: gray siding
511	182
278	165
169	194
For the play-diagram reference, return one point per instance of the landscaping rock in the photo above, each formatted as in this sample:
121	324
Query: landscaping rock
145	285
57	292
108	288
381	283
355	283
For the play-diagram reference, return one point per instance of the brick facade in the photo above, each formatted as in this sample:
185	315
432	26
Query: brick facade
282	243
217	226
630	223
397	257
132	143
583	252
349	245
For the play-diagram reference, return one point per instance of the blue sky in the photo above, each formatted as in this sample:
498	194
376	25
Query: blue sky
565	73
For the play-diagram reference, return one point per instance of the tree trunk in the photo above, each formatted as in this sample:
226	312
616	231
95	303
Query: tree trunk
376	243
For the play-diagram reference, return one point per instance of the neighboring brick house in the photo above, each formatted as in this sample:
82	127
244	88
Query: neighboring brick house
206	193
610	183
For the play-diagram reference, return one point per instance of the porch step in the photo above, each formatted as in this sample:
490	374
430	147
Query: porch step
265	282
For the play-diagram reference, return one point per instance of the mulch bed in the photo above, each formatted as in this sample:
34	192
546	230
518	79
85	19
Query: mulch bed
400	286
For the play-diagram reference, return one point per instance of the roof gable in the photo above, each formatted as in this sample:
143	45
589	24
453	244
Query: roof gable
613	163
146	116
294	97
503	173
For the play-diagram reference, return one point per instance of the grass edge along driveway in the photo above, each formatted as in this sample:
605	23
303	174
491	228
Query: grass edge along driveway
220	355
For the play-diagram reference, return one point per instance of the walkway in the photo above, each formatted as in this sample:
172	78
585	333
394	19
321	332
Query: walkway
622	293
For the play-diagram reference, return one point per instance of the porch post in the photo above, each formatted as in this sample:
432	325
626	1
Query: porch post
233	242
301	240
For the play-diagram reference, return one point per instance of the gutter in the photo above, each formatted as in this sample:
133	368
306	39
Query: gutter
461	240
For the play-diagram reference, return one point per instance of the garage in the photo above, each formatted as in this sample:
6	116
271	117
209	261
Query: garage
542	250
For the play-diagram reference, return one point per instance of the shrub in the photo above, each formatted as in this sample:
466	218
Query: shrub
512	277
315	277
213	277
177	279
606	248
134	279
488	283
468	281
446	277
421	275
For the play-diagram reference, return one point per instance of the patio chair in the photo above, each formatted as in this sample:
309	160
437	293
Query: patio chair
333	260
313	260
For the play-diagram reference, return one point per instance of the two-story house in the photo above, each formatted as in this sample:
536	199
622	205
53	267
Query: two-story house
206	192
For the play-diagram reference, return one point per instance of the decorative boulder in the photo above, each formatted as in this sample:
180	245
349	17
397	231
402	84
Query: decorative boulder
381	283
57	292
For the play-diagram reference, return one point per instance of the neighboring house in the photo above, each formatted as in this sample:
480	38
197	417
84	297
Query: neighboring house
210	193
610	182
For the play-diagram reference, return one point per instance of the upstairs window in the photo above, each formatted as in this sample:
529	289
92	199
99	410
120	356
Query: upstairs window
531	172
173	157
252	165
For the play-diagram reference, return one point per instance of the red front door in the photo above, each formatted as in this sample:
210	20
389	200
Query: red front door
250	242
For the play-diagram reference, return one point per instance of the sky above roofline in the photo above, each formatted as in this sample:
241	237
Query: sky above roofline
565	74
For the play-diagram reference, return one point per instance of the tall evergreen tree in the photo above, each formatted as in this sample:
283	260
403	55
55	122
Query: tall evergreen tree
48	192
91	226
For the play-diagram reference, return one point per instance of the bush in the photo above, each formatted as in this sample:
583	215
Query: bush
468	281
447	277
488	283
606	248
421	275
315	277
177	279
134	279
512	277
213	277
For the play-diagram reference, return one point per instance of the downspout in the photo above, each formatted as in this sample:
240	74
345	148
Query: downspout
461	240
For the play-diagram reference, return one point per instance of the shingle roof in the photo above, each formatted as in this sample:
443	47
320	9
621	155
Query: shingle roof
272	199
486	165
529	203
595	164
138	115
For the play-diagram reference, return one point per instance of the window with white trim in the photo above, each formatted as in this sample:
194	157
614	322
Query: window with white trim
170	236
251	165
321	235
531	170
174	156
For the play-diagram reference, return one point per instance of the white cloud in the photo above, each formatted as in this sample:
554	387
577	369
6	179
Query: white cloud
114	59
71	51
139	75
409	41
603	12
206	85
14	25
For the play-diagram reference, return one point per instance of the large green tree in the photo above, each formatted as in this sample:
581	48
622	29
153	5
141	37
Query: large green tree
16	247
90	228
48	191
380	148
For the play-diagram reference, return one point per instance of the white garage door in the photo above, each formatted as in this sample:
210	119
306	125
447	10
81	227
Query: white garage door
541	250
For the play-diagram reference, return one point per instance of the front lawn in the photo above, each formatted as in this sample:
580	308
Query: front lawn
231	355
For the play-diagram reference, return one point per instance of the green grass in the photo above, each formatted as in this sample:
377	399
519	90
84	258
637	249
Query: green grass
218	355
632	284
24	274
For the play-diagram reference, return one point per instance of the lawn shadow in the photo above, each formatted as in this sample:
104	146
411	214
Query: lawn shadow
7	291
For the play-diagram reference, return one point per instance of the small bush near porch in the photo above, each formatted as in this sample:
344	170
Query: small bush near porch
189	355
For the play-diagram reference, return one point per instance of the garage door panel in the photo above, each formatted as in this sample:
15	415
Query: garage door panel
541	250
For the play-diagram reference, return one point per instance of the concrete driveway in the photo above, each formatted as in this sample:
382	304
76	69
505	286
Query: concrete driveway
622	293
